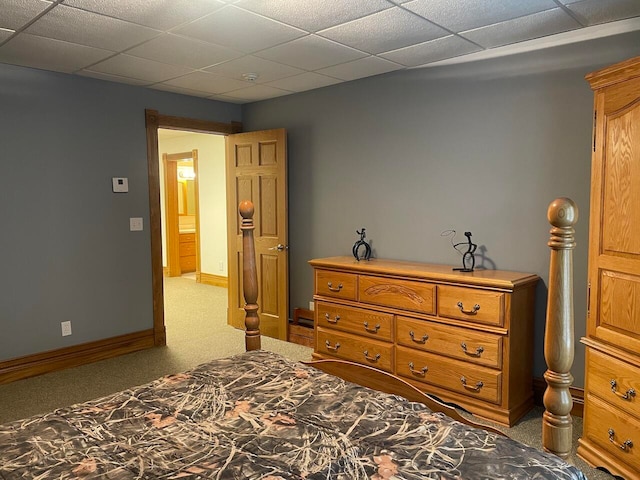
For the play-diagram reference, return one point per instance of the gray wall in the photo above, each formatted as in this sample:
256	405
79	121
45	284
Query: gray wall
66	250
484	147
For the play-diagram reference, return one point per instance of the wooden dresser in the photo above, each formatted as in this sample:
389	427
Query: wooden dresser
187	252
465	337
611	433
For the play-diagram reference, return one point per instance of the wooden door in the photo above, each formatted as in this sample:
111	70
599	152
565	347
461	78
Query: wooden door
257	171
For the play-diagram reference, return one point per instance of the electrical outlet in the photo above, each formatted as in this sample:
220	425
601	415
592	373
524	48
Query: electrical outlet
66	328
135	224
221	266
311	305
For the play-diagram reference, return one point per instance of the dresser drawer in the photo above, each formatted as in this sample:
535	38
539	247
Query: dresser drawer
461	377
187	237
610	428
405	294
615	381
355	320
357	349
472	305
476	347
187	249
336	284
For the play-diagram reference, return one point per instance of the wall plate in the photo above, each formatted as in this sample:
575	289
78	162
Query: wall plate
120	184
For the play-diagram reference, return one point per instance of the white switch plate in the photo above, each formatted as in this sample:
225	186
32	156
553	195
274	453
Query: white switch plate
135	224
312	305
66	328
120	184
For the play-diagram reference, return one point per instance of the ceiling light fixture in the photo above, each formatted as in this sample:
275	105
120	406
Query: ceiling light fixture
250	77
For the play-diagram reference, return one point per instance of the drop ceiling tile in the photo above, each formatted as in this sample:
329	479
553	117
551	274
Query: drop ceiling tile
86	28
181	90
140	68
593	12
469	14
266	70
310	53
304	81
15	14
159	14
421	54
524	28
178	50
314	15
5	33
207	82
224	98
240	30
257	92
112	78
364	67
49	54
384	31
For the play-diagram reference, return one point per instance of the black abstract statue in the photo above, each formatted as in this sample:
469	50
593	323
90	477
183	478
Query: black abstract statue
361	243
468	259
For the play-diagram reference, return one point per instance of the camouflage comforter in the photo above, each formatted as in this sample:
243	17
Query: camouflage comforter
260	416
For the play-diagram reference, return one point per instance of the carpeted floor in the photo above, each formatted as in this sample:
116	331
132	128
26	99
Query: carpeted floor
195	319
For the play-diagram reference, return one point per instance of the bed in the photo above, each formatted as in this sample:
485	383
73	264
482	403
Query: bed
260	416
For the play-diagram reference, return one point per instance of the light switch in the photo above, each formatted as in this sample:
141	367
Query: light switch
120	184
135	224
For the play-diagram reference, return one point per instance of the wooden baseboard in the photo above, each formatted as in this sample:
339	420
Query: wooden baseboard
215	280
39	363
577	394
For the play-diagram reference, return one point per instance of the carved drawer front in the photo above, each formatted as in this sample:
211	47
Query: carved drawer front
355	320
405	294
615	381
461	377
614	430
477	347
470	304
357	349
336	284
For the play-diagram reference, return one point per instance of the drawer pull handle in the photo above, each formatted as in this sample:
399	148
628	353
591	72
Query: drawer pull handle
477	388
420	372
625	396
624	446
329	347
424	339
371	359
371	330
477	353
473	311
334	289
328	317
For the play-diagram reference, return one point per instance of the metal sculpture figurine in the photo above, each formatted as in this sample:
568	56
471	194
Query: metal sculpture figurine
468	259
361	243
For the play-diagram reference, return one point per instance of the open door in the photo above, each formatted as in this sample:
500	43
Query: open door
257	171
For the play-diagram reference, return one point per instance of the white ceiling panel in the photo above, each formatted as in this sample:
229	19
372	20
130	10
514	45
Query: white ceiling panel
49	54
86	28
267	70
113	78
178	50
304	81
257	92
311	52
364	67
432	51
15	14
5	33
139	68
182	90
384	31
593	12
314	15
208	82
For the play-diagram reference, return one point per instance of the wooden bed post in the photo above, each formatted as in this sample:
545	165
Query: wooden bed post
559	336
249	278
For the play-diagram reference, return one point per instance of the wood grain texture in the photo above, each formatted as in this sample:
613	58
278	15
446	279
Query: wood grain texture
249	278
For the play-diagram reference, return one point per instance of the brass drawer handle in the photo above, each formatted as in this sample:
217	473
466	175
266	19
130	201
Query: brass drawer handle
473	311
624	446
328	317
625	396
477	388
420	372
329	347
371	359
371	330
425	337
477	353
334	289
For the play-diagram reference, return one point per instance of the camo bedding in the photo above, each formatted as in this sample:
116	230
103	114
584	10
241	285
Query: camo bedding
260	416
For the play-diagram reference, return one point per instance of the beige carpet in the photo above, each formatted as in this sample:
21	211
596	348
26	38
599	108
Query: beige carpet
195	318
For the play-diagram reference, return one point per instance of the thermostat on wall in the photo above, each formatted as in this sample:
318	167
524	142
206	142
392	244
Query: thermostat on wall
120	184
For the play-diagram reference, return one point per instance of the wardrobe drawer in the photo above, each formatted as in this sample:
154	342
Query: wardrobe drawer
336	284
472	305
405	294
610	428
615	381
355	320
461	377
357	349
469	345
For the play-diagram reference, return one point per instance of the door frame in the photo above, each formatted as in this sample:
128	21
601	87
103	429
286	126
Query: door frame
153	121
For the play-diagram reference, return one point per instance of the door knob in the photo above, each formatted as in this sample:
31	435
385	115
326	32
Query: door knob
280	247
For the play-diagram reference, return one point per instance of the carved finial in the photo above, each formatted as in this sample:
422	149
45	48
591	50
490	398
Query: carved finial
562	213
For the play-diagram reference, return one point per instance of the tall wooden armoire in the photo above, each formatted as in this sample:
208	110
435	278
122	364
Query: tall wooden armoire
611	435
